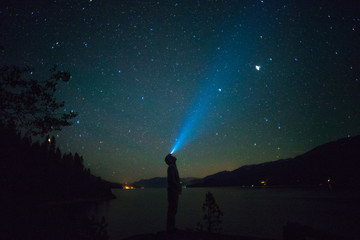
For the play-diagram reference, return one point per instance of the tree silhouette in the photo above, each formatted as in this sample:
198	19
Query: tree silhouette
35	178
40	171
212	214
29	105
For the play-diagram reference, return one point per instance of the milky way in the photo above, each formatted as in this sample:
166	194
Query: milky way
264	80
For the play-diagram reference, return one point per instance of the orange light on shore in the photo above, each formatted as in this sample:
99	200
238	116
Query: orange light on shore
126	187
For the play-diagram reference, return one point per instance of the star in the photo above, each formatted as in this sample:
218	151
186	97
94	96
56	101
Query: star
118	54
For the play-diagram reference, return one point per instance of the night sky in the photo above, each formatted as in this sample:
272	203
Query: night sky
236	82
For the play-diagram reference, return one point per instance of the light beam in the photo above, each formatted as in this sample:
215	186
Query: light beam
195	122
220	75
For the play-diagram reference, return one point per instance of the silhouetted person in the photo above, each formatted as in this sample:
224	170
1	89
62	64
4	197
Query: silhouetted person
173	190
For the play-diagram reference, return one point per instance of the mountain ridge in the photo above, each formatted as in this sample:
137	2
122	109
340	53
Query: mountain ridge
336	163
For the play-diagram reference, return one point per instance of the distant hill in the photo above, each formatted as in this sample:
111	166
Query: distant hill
336	163
115	185
158	182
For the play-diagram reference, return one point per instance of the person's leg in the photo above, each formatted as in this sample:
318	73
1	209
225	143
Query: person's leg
173	199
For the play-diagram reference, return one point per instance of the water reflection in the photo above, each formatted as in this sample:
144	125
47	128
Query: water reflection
53	221
247	212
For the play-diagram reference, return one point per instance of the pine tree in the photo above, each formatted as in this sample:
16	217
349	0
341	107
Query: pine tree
212	214
29	105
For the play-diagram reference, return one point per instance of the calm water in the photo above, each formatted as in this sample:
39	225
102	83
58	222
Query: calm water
252	212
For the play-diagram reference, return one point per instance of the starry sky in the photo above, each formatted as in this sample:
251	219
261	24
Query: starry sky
237	82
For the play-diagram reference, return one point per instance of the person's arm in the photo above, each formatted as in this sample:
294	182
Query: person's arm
173	179
178	180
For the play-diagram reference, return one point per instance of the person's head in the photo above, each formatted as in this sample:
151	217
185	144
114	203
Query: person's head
170	159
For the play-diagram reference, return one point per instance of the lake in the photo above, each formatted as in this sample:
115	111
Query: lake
251	212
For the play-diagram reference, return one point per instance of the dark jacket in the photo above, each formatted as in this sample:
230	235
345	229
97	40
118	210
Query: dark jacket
173	179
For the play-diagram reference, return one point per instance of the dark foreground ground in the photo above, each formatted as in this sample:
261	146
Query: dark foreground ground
189	235
291	231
